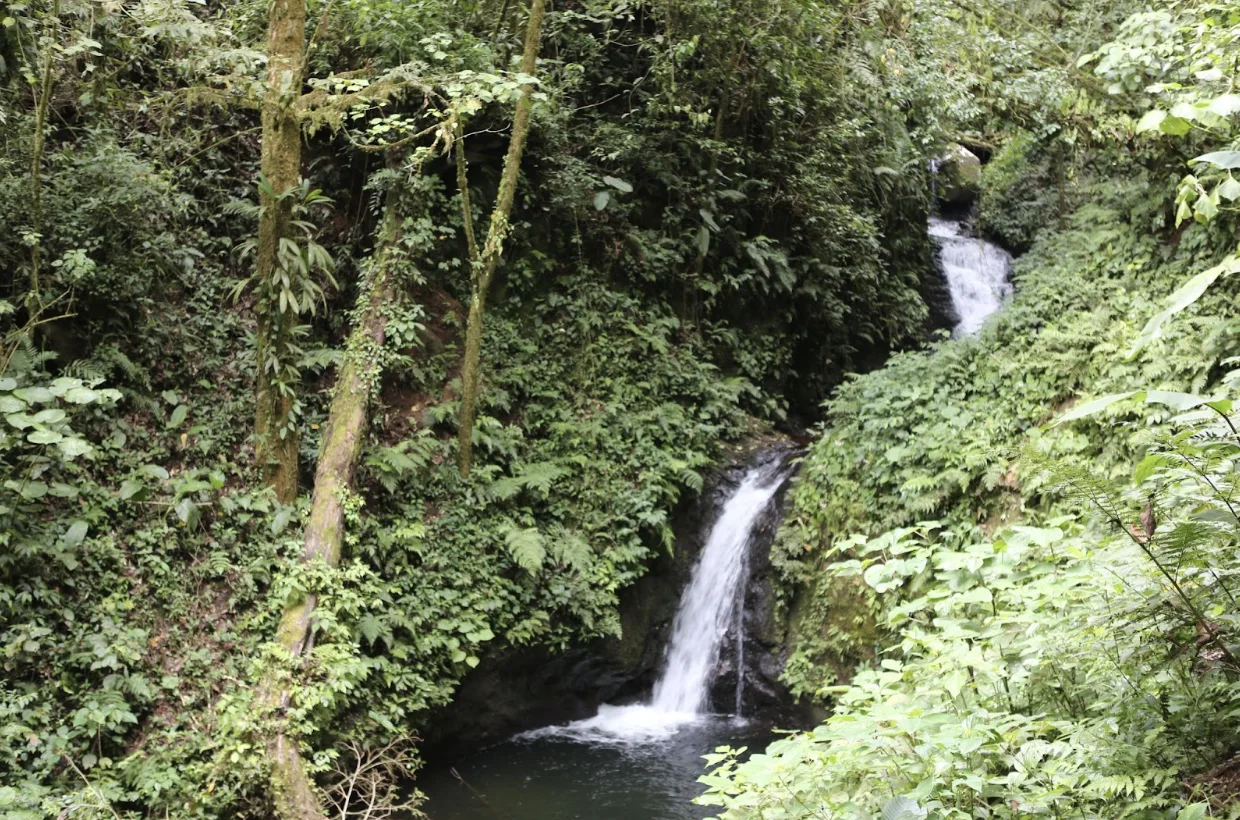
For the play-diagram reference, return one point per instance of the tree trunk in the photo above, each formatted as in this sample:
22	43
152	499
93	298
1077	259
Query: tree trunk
42	104
482	269
276	449
343	436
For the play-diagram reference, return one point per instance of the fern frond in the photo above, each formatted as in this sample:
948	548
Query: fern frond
526	546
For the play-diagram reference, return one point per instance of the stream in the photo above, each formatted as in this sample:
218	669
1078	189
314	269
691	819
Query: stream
641	761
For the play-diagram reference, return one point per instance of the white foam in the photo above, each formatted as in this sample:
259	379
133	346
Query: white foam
639	723
976	272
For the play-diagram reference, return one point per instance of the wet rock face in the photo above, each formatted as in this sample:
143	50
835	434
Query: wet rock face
515	690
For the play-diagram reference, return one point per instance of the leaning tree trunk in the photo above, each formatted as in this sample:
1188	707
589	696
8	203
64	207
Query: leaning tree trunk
276	449
343	436
482	269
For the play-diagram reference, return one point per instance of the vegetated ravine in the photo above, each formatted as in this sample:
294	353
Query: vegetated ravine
642	759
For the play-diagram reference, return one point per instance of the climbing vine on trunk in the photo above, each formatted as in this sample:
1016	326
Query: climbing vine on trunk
343	436
276	436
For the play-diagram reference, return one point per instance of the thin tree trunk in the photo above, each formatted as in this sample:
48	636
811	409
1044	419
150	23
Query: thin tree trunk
276	449
482	270
42	104
343	436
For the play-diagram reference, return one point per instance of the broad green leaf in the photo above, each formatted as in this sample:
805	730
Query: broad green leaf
1151	121
32	490
619	184
62	384
20	420
1184	111
1175	126
44	437
35	395
601	199
1229	189
81	395
903	808
7	384
1148	466
1187	294
1225	105
178	416
1221	406
1176	401
1195	811
153	471
11	404
73	447
75	535
1205	208
1089	408
187	511
280	521
1220	159
52	415
131	489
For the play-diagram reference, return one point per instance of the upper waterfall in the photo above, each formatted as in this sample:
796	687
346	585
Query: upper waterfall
976	271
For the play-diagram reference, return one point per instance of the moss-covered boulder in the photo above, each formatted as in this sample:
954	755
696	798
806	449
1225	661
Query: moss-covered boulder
958	177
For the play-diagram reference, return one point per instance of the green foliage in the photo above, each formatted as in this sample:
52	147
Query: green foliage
1053	641
1018	193
1026	680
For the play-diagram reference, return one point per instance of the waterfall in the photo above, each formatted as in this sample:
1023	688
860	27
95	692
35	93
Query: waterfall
976	272
713	600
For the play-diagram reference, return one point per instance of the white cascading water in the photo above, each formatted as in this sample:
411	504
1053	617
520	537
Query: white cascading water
707	606
708	602
976	272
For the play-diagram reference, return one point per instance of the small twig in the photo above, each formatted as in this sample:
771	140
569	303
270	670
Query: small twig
100	795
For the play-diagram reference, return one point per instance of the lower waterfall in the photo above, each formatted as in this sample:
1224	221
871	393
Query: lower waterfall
713	597
709	605
638	760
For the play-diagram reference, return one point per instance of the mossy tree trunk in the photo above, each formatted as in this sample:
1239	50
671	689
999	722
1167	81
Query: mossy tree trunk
343	436
484	263
276	449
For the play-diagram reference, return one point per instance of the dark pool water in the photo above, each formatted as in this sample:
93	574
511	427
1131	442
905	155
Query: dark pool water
586	775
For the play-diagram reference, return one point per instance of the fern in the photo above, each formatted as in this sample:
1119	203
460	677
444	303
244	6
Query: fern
571	549
526	547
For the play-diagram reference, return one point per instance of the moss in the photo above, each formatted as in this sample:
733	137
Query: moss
832	631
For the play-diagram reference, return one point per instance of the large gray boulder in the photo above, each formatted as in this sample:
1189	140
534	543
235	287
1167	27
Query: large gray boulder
958	176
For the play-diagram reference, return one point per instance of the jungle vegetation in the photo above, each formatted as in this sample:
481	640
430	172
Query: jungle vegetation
345	342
